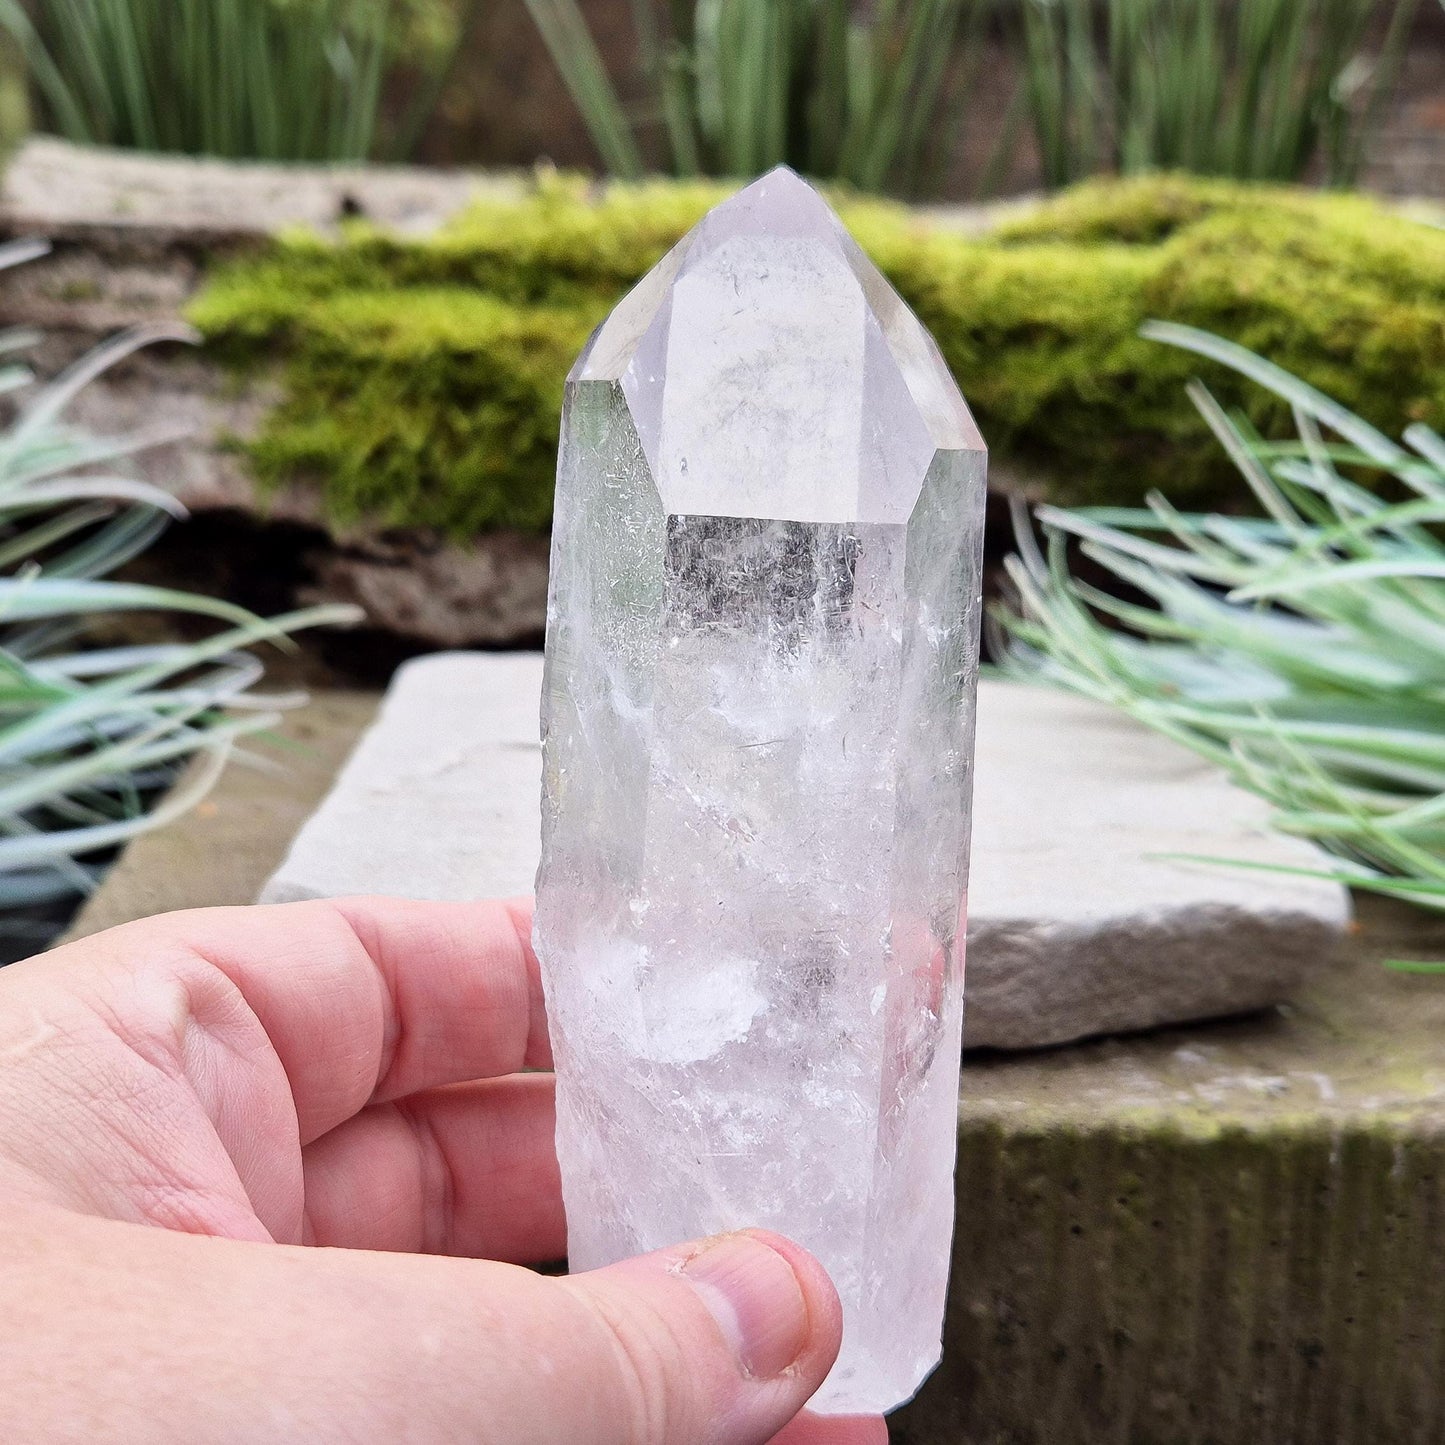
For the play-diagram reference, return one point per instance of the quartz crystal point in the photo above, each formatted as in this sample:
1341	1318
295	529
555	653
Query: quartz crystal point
758	724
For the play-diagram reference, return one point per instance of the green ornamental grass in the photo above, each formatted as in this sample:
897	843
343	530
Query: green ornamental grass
857	94
92	739
281	80
1261	90
1302	648
1258	90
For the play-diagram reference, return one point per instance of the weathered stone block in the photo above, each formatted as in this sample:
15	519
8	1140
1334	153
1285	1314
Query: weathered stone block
1220	1235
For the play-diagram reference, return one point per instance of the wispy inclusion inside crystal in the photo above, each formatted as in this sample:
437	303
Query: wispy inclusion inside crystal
758	721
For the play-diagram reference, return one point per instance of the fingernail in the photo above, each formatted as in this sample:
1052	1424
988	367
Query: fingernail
751	1290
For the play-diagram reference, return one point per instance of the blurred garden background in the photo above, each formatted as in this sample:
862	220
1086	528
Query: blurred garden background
289	290
932	99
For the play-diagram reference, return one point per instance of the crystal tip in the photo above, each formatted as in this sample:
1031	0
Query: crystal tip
779	202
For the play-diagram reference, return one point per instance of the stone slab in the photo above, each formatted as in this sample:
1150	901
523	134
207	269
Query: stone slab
440	798
1079	922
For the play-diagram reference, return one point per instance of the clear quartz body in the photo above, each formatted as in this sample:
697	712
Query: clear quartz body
757	727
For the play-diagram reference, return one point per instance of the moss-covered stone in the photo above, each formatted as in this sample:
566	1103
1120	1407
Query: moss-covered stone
422	375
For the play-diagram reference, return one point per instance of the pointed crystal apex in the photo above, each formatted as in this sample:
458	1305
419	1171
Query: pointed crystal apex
781	205
772	371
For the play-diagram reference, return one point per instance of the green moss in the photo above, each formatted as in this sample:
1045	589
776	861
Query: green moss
423	376
449	423
1139	211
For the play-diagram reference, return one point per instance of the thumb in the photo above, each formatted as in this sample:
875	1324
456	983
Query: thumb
722	1340
118	1332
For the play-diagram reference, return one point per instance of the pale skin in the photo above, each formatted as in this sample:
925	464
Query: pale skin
272	1174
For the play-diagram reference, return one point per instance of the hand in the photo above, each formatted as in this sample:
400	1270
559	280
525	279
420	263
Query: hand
233	1146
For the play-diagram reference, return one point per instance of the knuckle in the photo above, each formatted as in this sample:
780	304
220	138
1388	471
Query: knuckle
646	1370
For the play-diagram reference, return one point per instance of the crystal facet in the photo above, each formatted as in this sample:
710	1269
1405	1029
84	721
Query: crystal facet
757	720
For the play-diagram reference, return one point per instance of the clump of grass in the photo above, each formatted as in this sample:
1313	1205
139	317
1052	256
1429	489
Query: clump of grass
92	739
1303	650
285	80
1259	90
739	86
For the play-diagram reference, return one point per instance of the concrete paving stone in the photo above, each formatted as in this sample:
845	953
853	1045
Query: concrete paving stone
1080	920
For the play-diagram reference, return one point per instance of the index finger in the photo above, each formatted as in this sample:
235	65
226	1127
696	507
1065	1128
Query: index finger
362	999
